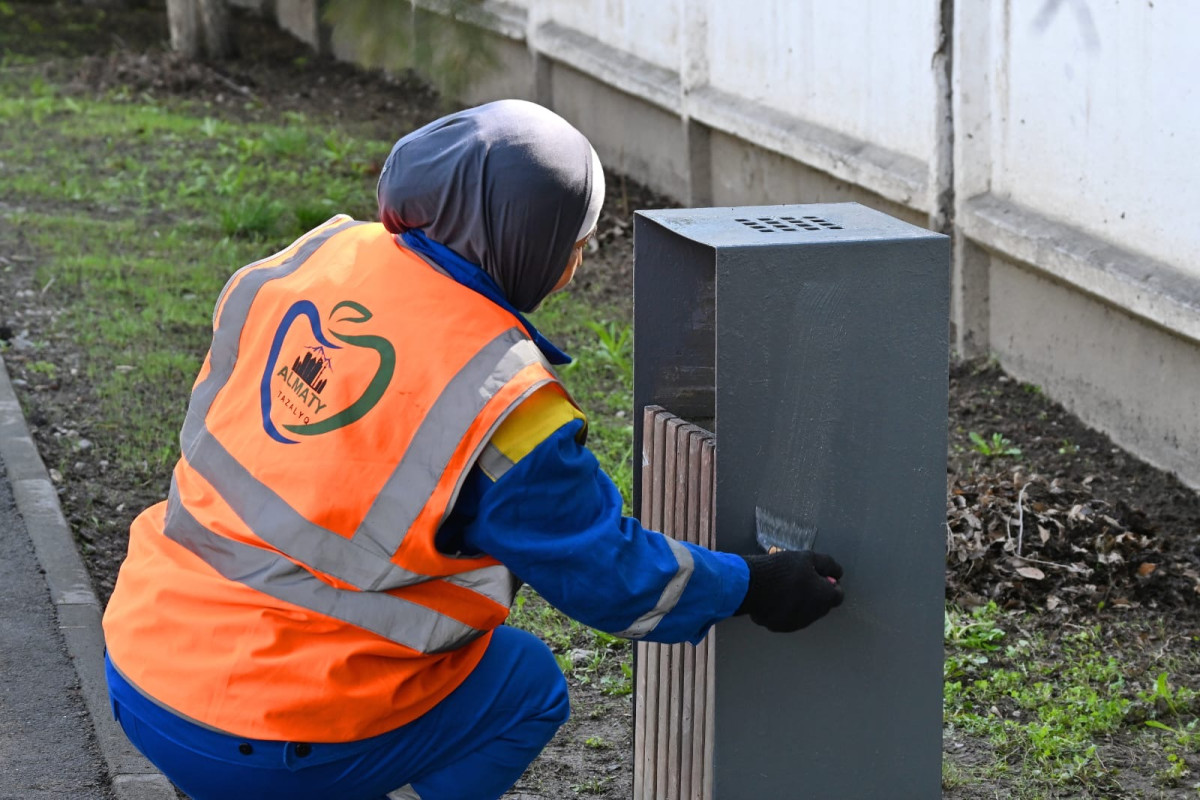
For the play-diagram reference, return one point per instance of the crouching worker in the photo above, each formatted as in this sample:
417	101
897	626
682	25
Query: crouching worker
377	452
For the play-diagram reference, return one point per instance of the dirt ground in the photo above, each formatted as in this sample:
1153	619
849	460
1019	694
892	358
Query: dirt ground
1073	526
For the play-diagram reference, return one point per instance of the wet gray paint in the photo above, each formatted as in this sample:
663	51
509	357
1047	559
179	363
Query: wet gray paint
825	354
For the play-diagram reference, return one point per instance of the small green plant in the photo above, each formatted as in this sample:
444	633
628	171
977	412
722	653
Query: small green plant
311	214
974	631
1185	735
288	142
252	217
618	685
1175	771
1067	448
998	445
615	346
1167	699
596	743
969	638
210	127
593	785
337	148
44	368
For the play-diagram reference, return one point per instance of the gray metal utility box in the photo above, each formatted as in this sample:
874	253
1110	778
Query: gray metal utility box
812	341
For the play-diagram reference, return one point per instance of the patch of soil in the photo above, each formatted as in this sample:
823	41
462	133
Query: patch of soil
589	755
279	76
1073	526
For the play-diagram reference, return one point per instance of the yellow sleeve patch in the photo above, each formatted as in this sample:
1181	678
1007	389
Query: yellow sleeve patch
533	421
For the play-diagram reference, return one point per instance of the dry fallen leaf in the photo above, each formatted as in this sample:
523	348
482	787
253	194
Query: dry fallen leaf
1033	573
1146	568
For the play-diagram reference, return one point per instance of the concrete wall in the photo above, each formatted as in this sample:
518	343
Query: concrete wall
1054	139
1094	119
1077	248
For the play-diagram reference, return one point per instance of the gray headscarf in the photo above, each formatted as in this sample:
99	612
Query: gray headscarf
509	185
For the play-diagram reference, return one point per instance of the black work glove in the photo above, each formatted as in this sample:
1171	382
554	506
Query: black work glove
791	589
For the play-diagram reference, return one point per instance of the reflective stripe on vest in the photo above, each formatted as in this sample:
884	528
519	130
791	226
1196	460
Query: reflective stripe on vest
409	624
362	560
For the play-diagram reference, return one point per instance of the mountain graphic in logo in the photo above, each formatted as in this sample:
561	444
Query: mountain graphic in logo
311	368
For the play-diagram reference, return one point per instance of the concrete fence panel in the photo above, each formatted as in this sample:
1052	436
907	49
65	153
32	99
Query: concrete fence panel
1053	139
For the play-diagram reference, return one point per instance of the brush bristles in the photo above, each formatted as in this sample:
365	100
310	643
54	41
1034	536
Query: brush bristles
776	532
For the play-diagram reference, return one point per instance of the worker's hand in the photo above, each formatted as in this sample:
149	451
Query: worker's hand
791	589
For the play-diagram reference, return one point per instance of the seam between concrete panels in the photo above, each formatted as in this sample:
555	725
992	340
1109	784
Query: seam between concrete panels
1147	288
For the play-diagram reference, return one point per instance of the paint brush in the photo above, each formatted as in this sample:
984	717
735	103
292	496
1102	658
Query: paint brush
775	533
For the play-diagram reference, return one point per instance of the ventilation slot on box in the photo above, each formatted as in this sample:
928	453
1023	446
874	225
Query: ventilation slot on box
788	224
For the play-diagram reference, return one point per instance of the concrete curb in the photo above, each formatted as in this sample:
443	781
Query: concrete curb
78	610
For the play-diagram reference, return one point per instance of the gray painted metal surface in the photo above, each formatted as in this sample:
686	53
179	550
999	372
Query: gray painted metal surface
813	339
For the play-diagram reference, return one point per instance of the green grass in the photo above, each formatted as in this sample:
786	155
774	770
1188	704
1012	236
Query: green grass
139	210
143	209
587	656
1048	708
600	378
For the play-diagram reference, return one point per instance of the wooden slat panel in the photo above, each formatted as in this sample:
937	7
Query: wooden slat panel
702	766
649	467
659	443
649	652
673	685
708	484
679	652
695	777
710	457
669	465
692	534
667	653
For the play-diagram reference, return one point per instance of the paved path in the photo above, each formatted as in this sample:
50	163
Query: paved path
47	746
57	737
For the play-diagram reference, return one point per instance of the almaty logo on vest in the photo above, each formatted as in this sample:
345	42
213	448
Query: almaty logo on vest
292	383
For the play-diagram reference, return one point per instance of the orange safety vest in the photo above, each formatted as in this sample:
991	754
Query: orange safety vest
289	587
